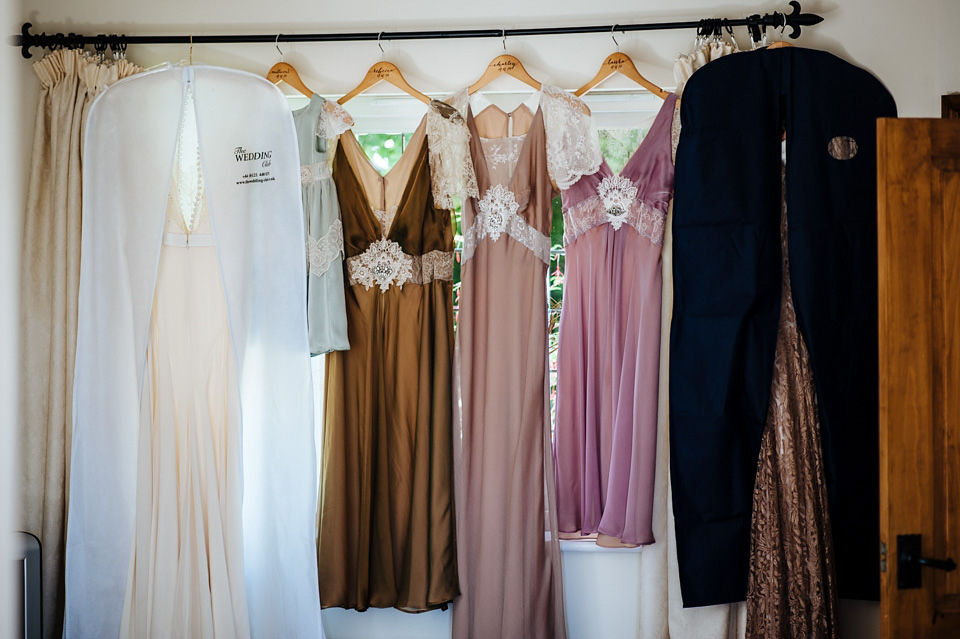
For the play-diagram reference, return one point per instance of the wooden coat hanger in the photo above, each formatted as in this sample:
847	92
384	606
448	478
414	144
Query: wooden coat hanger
621	63
380	72
504	63
284	72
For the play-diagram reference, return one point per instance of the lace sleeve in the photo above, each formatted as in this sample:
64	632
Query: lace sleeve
448	141
573	148
333	121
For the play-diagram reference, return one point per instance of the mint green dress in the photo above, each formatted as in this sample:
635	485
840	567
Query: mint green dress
317	128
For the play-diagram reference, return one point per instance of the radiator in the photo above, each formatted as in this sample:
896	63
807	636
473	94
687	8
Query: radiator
26	566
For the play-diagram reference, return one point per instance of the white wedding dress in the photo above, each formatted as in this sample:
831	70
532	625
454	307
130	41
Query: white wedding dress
186	571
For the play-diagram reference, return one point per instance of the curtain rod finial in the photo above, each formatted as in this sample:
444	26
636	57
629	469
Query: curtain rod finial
24	40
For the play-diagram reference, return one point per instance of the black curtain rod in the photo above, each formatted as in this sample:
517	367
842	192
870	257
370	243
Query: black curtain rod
707	26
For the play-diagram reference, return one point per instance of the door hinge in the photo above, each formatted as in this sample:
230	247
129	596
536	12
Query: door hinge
883	556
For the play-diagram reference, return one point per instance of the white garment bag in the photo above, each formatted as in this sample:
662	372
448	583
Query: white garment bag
250	162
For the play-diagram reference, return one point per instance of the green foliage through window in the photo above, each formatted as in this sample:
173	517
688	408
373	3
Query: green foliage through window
384	149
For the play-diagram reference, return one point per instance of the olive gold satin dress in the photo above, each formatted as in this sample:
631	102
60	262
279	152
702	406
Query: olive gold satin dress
386	520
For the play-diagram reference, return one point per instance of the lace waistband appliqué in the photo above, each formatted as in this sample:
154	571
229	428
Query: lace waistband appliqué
498	214
310	173
384	264
322	252
614	204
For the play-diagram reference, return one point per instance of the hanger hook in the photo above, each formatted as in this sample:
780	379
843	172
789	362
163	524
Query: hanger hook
380	45
191	49
783	27
614	38
276	43
504	34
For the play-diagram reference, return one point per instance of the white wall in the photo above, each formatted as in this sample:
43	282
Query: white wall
13	164
910	46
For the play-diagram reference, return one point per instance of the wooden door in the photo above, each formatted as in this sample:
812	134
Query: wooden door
918	235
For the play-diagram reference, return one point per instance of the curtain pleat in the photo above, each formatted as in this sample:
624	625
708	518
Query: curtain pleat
50	271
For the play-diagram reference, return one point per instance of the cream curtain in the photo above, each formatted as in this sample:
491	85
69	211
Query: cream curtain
69	82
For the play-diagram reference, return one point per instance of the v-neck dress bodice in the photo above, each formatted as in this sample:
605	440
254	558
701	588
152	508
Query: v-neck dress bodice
609	344
507	172
386	519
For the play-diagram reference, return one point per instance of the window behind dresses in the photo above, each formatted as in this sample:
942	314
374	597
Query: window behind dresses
385	124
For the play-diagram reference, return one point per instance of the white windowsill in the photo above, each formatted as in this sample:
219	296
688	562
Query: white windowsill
589	545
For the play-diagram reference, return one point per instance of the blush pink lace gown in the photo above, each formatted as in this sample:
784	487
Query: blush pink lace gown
609	348
508	558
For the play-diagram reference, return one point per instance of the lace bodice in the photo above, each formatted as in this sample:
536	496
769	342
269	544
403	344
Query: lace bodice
573	149
502	153
636	197
187	220
384	263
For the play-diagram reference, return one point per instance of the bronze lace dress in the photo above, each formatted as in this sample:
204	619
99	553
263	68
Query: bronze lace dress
791	592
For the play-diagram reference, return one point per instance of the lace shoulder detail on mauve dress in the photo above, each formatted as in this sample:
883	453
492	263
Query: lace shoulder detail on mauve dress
573	148
448	141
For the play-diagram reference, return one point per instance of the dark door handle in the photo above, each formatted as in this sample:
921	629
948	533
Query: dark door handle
947	564
909	562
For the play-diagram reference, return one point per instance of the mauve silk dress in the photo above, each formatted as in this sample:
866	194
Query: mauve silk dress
609	346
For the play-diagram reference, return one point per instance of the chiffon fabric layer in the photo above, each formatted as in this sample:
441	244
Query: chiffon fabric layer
186	572
609	344
386	514
509	562
326	307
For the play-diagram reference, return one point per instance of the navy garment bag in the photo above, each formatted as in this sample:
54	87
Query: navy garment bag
727	286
